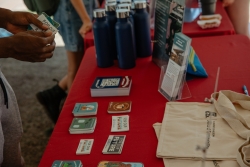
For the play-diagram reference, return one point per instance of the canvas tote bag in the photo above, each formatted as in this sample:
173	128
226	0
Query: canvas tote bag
192	163
185	126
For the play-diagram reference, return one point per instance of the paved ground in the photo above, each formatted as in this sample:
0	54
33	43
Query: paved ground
26	80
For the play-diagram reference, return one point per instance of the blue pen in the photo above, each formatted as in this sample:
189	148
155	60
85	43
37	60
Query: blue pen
245	90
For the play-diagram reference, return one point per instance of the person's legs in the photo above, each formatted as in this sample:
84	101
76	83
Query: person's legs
74	60
239	15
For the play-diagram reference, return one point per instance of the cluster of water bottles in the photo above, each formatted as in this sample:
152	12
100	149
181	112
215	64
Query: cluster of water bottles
122	33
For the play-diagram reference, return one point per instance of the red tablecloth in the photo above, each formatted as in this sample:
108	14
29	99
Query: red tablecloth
190	29
230	53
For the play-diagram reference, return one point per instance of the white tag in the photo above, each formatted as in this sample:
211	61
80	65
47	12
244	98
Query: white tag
45	21
85	146
120	123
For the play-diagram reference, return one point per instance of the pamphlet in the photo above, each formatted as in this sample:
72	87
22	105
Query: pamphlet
174	77
169	19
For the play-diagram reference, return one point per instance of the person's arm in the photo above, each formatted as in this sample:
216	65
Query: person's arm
226	3
16	22
81	10
29	46
4	17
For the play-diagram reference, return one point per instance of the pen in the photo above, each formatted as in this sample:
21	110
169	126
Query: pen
245	90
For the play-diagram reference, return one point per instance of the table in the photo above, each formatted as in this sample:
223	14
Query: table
230	53
190	29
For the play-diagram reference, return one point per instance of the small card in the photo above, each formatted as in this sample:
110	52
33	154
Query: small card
85	146
119	164
119	107
53	25
85	109
59	163
83	123
120	123
114	144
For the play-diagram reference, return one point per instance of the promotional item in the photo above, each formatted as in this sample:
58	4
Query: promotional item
85	146
85	109
142	30
102	38
125	40
120	123
114	144
119	107
111	19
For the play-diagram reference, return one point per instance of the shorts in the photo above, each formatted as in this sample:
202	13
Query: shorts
70	23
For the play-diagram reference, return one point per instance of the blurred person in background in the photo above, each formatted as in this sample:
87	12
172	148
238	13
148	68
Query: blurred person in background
75	18
238	12
23	45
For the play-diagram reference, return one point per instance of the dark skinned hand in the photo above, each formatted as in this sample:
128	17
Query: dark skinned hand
19	21
31	46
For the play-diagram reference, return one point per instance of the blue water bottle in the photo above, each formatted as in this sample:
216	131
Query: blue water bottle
131	13
130	18
101	36
123	1
110	9
142	30
124	40
110	1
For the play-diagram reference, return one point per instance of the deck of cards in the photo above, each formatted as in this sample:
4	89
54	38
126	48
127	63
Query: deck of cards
120	123
85	146
85	109
114	144
119	107
59	163
119	164
82	125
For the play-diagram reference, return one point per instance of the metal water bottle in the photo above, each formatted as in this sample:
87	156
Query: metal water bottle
101	39
111	19
130	18
127	6
124	40
142	30
110	1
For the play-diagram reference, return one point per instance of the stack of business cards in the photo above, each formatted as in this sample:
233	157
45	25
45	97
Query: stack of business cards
59	163
82	125
85	146
114	144
120	123
119	107
119	164
85	109
111	86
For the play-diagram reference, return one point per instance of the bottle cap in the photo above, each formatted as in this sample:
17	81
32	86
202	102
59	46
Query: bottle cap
110	1
140	4
110	7
99	13
124	6
122	13
125	1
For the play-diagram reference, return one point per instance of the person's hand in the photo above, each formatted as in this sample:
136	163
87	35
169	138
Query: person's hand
31	46
18	22
226	3
86	27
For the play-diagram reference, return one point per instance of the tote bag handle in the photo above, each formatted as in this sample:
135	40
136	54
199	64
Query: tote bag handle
224	102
